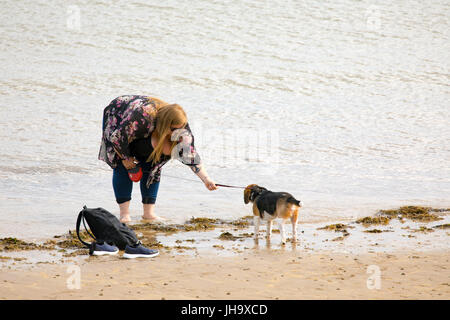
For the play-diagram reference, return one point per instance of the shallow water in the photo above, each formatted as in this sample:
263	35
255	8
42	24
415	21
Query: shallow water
396	236
344	105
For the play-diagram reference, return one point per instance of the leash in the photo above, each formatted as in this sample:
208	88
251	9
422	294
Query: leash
217	184
224	185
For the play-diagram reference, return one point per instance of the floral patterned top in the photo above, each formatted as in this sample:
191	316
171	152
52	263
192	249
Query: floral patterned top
128	118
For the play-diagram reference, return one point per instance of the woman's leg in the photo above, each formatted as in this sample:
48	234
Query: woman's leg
149	199
123	187
148	196
125	212
149	212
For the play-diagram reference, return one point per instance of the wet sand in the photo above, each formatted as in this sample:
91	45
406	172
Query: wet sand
255	275
210	259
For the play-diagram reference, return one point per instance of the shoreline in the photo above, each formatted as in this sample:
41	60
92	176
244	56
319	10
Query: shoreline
208	258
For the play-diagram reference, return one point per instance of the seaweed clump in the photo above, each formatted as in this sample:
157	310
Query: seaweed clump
203	220
243	222
373	231
70	241
193	224
377	231
228	236
416	213
155	227
442	226
423	229
153	243
14	244
338	227
200	224
366	221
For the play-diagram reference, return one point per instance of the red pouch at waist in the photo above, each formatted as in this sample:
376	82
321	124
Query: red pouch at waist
135	174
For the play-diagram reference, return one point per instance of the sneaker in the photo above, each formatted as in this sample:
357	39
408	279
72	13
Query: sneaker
103	248
139	251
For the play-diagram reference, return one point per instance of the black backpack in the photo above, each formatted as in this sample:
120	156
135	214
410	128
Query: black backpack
105	227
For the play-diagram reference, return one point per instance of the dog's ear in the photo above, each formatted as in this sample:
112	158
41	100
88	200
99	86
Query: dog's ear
247	192
247	195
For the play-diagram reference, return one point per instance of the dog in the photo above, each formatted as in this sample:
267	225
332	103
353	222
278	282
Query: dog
268	205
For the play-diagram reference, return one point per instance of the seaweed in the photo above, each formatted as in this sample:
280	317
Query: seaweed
390	213
246	235
416	213
243	222
228	236
373	220
198	226
377	231
70	241
338	227
346	234
373	231
184	248
78	252
440	209
155	227
203	220
14	244
423	229
153	243
193	224
442	226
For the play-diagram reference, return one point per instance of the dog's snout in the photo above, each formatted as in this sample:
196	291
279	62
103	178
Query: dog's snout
300	203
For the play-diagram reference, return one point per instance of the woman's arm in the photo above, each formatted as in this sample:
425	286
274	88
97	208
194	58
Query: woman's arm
187	154
200	171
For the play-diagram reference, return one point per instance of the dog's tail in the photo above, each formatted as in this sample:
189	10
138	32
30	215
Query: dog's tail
294	201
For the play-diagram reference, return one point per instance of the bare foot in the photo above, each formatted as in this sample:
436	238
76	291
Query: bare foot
153	218
125	219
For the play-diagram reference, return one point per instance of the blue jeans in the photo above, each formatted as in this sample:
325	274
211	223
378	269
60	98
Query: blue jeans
123	186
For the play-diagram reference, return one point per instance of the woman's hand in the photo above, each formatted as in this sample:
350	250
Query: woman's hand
129	163
209	184
200	171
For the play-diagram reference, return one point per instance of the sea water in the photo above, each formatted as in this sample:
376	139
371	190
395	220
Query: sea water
344	104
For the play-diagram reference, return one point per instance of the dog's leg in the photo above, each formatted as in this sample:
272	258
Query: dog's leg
283	236
256	222
294	231
294	218
294	227
269	229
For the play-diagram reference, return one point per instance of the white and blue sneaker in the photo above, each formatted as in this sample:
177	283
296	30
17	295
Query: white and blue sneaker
139	251
103	248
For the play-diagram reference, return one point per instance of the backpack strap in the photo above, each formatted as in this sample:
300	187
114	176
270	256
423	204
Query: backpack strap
79	219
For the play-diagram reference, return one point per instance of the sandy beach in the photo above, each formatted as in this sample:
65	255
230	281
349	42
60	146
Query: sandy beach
387	257
257	275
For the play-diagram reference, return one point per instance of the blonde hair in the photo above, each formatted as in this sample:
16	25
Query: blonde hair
167	115
155	105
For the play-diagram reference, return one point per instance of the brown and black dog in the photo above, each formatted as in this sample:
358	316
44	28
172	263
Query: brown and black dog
268	205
